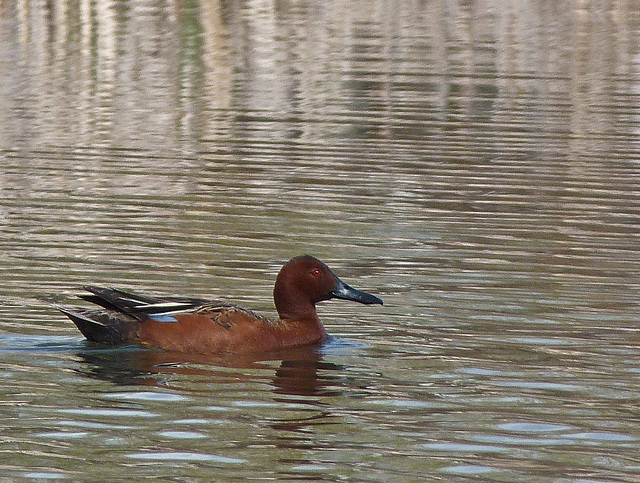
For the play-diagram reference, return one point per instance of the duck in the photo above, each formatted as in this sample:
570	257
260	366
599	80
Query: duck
194	325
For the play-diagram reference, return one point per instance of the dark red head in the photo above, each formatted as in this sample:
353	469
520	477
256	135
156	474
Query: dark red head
304	281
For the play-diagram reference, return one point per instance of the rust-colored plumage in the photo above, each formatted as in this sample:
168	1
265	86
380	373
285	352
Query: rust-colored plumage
211	327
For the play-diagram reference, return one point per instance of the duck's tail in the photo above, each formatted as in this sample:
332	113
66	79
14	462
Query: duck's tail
104	326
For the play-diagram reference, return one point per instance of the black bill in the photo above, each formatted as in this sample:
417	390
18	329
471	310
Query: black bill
344	291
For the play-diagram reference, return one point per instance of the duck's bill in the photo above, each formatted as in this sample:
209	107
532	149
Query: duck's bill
346	292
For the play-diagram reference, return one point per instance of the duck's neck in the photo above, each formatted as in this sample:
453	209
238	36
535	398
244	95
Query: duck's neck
301	331
292	304
298	317
293	311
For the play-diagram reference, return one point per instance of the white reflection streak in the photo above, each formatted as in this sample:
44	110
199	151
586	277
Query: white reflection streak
218	71
106	28
84	80
22	9
261	56
61	31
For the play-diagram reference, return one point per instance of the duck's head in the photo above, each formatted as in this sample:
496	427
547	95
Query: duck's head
304	281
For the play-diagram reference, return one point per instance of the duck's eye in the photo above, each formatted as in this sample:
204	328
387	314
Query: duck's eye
316	273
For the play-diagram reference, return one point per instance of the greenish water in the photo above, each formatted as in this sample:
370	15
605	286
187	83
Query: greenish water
476	164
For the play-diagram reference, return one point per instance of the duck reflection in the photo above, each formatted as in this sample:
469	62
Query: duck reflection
299	372
300	382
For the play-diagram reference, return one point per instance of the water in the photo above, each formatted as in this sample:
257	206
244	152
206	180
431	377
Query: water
475	164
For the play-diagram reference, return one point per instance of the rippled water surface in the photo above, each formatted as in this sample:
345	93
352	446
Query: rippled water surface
474	163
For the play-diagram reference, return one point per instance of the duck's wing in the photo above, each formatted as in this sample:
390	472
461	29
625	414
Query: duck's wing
142	307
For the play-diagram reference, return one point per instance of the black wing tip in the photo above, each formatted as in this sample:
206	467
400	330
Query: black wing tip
99	289
79	316
103	326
